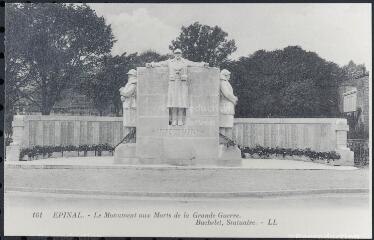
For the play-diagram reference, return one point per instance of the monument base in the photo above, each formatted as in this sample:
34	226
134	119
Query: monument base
229	156
13	152
178	162
189	162
125	153
346	157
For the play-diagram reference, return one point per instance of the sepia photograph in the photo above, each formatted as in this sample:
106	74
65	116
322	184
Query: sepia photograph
188	120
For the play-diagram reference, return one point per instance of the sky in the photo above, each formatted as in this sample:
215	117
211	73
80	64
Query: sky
336	32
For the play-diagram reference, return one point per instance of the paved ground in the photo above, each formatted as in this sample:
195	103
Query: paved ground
311	215
332	215
247	163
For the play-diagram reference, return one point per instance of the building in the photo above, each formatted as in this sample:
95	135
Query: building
354	104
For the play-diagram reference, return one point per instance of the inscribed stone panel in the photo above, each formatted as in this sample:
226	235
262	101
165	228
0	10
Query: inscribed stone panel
152	105
152	81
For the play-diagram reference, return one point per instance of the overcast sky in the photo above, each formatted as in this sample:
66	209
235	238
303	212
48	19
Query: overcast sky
337	32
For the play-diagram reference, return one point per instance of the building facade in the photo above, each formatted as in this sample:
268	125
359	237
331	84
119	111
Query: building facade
354	104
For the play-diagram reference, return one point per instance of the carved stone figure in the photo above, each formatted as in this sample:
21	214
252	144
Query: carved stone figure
227	104
178	85
128	98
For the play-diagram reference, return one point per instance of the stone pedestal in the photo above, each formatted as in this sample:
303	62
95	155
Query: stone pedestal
346	155
229	156
13	153
125	154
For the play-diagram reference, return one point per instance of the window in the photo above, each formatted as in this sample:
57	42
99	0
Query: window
350	101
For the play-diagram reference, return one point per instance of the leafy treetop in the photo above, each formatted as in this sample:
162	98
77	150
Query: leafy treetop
204	43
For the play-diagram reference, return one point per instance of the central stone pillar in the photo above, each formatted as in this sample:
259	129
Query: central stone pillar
194	143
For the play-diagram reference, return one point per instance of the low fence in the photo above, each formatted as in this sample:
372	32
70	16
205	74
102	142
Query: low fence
360	148
318	134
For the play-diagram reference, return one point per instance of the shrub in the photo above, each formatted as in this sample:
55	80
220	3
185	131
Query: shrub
313	155
48	150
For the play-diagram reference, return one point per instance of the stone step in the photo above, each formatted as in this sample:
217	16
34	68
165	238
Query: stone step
253	194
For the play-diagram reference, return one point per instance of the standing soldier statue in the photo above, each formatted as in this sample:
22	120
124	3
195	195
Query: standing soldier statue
178	88
227	104
128	98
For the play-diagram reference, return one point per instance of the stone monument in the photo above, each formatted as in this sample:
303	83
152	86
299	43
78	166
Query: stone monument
227	104
226	118
177	116
128	98
126	151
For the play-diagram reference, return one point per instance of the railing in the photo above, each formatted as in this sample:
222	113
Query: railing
360	148
130	137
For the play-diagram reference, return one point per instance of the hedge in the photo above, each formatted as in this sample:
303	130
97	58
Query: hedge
313	155
48	150
260	151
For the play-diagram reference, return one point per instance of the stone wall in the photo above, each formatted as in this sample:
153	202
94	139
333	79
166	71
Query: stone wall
31	130
319	134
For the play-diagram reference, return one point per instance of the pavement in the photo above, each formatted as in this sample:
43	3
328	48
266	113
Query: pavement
283	198
94	179
108	161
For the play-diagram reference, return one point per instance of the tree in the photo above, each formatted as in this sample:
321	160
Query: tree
49	48
285	83
204	43
150	56
102	87
353	70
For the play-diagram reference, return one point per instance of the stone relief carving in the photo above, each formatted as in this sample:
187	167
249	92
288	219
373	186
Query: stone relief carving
178	85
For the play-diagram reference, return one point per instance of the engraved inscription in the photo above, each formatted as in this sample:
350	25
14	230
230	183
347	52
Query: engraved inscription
177	132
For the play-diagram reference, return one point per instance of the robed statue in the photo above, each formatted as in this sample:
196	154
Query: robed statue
227	104
177	101
128	98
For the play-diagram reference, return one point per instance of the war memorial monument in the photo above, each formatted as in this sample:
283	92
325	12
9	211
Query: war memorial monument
179	113
109	135
180	110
